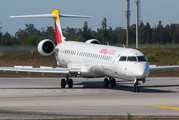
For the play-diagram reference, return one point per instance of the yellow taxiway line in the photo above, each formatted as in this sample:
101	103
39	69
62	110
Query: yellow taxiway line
167	107
30	107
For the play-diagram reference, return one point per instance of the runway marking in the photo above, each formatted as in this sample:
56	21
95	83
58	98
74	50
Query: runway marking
29	107
167	107
174	87
34	107
60	107
148	85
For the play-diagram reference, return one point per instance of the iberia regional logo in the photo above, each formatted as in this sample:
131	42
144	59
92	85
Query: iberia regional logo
106	51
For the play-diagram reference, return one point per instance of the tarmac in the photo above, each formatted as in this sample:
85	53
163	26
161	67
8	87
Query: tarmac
37	98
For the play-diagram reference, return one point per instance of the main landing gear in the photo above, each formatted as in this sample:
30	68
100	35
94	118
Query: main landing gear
111	81
67	81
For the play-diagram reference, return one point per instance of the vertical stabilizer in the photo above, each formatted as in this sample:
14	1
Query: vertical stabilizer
59	34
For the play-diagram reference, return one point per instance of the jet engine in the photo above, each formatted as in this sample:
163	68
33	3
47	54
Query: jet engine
46	47
93	41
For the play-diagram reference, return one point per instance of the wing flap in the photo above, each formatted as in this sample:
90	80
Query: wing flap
156	68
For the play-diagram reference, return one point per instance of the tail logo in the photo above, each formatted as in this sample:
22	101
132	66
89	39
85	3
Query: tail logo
59	34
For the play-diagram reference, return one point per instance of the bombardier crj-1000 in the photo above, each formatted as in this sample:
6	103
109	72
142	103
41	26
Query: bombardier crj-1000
90	59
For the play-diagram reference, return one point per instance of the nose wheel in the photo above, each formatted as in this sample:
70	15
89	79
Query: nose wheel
136	87
111	81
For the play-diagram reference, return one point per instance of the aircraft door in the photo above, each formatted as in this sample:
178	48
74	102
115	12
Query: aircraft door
57	56
114	62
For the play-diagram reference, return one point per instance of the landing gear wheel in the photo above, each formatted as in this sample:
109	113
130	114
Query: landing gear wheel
63	83
136	88
70	83
106	82
113	82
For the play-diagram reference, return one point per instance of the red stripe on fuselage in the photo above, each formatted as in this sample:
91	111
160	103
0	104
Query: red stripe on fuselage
58	35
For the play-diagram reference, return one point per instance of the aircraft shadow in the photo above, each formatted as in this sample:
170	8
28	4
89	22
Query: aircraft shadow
120	85
31	88
127	86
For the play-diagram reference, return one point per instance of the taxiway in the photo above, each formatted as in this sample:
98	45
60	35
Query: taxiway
28	98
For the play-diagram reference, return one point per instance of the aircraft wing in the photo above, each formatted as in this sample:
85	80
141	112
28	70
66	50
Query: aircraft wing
155	68
42	69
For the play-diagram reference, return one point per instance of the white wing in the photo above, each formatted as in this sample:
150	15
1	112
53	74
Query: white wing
42	69
155	68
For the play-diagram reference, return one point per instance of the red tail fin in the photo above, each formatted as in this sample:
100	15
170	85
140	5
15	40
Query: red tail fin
59	34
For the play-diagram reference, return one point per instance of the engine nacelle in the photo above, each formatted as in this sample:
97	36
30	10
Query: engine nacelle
46	47
93	41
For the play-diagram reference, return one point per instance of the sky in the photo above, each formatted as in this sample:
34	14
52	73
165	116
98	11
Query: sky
114	10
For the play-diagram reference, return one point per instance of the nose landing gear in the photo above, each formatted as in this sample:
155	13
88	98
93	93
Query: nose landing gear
136	88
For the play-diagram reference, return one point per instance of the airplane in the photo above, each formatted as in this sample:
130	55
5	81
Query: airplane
90	59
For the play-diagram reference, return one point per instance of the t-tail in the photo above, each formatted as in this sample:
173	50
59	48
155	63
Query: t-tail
59	33
56	16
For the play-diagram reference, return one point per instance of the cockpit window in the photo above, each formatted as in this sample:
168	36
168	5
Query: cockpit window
123	58
141	58
131	59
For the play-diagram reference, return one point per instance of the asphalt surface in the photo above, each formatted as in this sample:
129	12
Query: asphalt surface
37	98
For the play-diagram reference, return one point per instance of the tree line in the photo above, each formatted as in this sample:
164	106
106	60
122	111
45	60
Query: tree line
158	34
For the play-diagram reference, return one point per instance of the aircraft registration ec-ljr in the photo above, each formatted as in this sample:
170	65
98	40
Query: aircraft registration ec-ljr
90	59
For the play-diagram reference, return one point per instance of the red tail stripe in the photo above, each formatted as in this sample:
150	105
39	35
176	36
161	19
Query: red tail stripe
58	35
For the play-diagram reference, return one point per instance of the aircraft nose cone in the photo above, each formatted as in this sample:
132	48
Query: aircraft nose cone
138	70
142	70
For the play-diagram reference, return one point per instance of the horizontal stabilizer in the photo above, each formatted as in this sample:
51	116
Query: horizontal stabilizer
56	16
75	16
35	16
50	16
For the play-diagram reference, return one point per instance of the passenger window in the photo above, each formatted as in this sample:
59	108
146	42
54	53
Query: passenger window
131	59
123	58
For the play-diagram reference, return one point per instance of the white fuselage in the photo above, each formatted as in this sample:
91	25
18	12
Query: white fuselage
97	60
